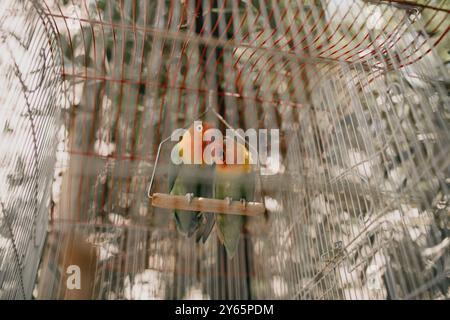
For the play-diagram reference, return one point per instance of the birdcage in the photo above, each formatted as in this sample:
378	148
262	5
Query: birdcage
356	205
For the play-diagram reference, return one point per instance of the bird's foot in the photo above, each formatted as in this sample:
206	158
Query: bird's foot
228	200
189	197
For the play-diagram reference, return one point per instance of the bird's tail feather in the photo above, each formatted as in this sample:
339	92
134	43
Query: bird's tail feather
187	222
205	229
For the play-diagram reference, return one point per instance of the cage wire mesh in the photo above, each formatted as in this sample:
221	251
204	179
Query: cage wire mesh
358	89
30	86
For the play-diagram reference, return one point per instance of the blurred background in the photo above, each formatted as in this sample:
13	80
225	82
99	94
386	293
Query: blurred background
359	89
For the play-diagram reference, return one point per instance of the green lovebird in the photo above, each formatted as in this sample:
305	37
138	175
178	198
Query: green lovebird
189	179
234	180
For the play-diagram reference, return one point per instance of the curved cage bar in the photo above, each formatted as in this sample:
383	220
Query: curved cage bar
30	99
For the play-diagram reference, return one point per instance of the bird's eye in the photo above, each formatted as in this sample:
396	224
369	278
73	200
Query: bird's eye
199	128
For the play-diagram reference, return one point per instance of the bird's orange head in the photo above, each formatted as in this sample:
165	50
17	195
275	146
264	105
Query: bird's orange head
193	141
236	157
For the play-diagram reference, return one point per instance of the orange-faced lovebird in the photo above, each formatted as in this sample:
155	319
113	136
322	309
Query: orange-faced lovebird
235	181
190	176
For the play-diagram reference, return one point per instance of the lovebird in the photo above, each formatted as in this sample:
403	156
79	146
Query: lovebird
193	180
236	181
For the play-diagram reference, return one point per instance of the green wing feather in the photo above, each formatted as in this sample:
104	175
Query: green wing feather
206	190
181	181
229	227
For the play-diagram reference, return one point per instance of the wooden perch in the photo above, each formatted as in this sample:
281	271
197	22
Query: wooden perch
167	201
